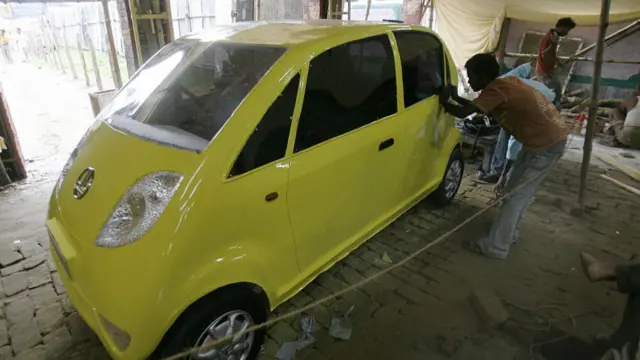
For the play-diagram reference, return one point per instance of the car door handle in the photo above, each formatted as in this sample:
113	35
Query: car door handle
272	196
386	144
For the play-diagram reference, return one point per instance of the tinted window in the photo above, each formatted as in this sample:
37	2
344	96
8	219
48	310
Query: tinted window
268	142
422	65
349	86
190	89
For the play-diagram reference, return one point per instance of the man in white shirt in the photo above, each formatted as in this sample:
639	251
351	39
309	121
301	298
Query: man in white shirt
626	121
21	44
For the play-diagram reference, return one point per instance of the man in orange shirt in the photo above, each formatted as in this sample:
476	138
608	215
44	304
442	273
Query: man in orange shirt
547	56
527	115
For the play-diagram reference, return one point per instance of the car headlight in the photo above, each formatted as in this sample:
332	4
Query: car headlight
140	207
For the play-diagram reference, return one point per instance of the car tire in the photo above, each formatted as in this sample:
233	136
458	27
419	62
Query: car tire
188	331
451	180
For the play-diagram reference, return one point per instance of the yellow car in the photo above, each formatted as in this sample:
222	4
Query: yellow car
236	166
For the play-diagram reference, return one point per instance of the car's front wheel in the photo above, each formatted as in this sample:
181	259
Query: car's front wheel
215	317
451	180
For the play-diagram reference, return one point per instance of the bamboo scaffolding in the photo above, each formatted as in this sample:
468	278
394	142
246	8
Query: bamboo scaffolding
593	106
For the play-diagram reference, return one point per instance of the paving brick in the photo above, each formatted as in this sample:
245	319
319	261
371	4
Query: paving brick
12	269
390	299
15	283
489	307
39	276
43	295
50	317
330	282
24	336
4	335
20	311
34	261
57	343
29	248
410	277
57	284
36	353
357	263
301	300
350	275
282	332
79	329
8	257
6	353
418	297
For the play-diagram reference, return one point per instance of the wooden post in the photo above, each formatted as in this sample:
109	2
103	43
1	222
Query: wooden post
65	43
94	62
367	10
502	42
113	55
432	9
593	106
82	60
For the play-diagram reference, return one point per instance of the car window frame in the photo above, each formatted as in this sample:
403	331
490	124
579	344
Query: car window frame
444	66
301	73
304	81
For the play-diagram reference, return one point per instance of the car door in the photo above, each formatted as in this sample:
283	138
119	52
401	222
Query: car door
423	75
343	181
256	192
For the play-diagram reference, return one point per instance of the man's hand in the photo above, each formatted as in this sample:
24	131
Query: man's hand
499	188
445	95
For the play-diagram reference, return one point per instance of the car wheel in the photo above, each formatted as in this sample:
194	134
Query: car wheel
451	180
212	318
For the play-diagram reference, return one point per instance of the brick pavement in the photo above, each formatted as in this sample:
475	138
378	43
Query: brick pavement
38	321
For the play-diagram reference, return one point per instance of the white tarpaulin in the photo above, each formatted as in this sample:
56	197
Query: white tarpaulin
472	26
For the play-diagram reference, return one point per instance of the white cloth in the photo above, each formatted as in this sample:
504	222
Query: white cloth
469	27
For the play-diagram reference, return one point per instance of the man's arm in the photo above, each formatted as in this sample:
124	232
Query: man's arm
462	109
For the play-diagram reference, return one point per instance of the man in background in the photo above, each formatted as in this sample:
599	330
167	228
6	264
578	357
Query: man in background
546	67
21	44
625	121
507	148
4	47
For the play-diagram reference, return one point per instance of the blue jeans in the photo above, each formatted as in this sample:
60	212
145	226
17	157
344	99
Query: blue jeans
499	158
525	177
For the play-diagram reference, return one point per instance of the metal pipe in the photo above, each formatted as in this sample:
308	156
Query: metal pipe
614	61
593	106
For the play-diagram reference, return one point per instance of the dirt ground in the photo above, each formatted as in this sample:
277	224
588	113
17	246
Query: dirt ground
422	310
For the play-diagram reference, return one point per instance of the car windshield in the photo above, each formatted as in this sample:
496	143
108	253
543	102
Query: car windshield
185	94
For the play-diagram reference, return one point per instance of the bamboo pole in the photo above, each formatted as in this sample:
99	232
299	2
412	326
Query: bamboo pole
432	9
113	55
629	188
94	62
65	44
82	60
614	61
367	10
610	39
593	106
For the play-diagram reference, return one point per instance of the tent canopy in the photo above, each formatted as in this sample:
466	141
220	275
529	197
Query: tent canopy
469	27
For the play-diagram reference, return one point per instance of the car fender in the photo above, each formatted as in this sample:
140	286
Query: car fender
237	264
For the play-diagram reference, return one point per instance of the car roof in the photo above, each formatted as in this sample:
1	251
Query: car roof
293	33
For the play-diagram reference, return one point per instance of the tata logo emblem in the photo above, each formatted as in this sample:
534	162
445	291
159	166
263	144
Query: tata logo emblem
83	183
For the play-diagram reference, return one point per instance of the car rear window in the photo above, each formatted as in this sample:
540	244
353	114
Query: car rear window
185	94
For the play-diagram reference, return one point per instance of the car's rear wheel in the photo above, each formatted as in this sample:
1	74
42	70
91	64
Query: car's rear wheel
451	180
222	314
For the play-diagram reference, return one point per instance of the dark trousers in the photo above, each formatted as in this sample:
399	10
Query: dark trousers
628	333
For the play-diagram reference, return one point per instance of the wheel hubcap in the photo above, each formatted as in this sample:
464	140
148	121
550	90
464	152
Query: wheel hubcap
452	179
233	322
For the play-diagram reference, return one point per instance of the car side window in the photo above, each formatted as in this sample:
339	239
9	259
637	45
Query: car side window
348	87
422	65
268	142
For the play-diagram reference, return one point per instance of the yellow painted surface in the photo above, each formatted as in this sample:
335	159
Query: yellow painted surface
218	230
